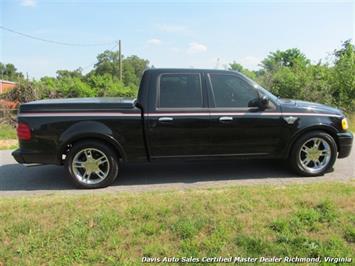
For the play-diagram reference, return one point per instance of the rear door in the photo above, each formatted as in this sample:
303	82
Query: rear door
178	120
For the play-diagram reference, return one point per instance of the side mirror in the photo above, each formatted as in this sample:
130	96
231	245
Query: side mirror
264	102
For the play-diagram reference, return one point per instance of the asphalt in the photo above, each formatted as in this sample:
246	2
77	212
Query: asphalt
16	179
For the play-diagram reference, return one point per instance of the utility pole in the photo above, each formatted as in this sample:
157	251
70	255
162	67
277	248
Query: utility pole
120	59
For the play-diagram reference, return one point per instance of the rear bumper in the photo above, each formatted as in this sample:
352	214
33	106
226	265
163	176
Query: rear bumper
34	158
18	156
345	141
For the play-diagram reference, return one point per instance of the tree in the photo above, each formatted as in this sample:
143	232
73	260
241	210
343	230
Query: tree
343	77
105	85
235	66
316	85
77	73
287	58
133	68
286	83
238	67
65	87
285	73
9	72
107	63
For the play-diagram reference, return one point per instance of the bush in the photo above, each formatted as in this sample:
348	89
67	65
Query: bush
105	85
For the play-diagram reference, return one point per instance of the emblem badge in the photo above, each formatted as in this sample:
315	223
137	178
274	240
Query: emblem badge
290	119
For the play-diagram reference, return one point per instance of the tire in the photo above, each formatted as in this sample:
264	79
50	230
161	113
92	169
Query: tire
303	158
92	164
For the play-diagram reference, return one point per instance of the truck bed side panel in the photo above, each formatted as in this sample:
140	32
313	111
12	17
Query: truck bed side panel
51	131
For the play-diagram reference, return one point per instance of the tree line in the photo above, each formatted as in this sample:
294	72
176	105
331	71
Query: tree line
101	81
288	74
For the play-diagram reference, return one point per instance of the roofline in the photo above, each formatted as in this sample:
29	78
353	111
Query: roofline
7	81
190	69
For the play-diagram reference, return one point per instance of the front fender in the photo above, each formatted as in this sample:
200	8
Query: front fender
320	127
89	130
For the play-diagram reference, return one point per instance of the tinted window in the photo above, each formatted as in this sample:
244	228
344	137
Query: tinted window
231	91
180	90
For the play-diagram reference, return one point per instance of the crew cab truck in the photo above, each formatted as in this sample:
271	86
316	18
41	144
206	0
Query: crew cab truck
180	113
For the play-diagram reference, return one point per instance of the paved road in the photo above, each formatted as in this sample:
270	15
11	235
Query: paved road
16	179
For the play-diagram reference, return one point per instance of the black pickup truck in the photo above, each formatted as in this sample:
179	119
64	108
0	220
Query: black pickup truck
180	113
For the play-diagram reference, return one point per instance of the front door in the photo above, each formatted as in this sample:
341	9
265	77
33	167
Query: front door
237	126
178	125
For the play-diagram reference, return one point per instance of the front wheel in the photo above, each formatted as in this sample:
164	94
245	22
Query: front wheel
313	154
92	164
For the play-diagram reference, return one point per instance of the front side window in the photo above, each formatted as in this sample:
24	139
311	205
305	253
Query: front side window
231	91
180	91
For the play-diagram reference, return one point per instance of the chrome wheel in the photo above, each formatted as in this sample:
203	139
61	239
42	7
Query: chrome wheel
90	166
315	155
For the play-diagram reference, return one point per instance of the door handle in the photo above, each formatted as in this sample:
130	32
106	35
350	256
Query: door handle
165	119
225	119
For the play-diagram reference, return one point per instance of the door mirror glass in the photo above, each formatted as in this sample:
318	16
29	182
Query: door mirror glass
264	102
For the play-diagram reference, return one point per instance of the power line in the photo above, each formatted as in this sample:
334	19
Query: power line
52	41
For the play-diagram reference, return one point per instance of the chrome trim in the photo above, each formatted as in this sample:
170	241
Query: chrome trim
315	155
290	119
207	113
31	164
89	163
238	114
165	119
73	114
212	155
225	118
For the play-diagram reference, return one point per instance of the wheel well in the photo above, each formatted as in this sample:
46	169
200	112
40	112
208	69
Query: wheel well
326	130
67	147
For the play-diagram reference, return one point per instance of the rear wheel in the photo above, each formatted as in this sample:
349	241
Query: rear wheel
92	164
313	154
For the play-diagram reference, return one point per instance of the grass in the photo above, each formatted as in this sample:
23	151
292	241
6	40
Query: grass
352	122
7	132
118	229
8	138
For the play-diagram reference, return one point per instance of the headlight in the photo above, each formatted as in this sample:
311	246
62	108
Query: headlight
344	124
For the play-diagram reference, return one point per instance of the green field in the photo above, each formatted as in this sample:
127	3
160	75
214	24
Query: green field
8	138
352	123
7	132
115	229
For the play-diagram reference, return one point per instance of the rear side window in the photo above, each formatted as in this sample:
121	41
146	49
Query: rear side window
231	91
180	91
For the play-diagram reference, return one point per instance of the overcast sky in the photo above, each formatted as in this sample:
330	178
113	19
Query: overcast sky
205	34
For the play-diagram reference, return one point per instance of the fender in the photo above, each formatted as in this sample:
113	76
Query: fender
89	130
320	127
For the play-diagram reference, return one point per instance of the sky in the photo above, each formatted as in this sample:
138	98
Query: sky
207	34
